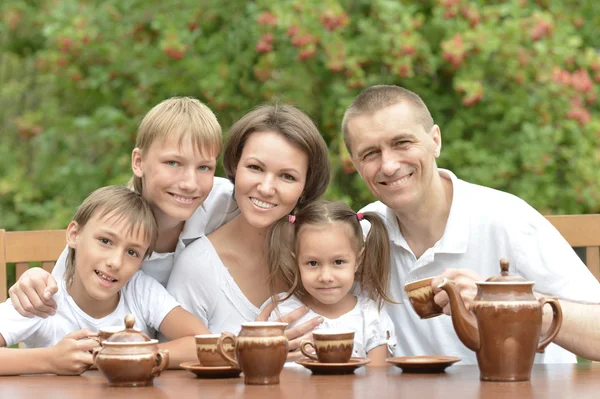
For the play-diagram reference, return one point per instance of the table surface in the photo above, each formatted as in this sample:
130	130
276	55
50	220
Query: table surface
547	381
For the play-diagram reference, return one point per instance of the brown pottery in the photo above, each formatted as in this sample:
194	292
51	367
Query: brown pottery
330	345
261	349
420	294
130	358
208	353
504	325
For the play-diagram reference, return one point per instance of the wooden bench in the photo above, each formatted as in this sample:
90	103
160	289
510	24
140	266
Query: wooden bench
582	231
23	247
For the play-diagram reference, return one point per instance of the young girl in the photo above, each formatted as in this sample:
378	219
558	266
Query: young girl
110	235
177	146
325	261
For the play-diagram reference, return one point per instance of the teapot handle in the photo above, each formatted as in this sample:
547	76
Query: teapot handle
162	361
224	337
554	327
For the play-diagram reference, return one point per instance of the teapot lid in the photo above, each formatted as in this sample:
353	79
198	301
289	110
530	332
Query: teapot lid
505	276
129	334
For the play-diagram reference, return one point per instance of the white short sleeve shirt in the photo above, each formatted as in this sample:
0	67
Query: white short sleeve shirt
483	226
372	327
142	296
202	284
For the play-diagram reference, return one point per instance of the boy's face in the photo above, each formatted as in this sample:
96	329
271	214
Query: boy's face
177	177
107	255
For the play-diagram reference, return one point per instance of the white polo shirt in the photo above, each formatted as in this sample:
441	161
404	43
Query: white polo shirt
218	208
483	226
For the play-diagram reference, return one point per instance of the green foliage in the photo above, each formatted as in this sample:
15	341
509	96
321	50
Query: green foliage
513	85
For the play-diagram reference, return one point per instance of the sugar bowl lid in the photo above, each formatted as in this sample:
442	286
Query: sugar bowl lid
505	276
129	334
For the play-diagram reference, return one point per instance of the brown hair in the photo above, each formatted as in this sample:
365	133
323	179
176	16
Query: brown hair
116	203
376	98
185	117
297	128
373	273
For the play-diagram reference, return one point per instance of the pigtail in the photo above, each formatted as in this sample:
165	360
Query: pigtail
375	263
282	264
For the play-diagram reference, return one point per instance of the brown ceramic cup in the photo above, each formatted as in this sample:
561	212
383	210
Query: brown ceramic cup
420	294
208	352
330	346
261	349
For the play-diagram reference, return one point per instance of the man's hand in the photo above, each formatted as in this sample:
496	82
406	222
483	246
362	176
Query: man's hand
32	294
72	355
296	334
465	282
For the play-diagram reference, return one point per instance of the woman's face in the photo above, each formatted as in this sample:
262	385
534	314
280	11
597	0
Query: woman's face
270	178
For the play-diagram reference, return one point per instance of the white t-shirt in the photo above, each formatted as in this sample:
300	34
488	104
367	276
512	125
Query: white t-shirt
218	208
483	226
142	296
202	284
371	326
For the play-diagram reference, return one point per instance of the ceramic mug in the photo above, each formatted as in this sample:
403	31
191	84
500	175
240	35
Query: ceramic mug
420	294
330	345
208	352
261	349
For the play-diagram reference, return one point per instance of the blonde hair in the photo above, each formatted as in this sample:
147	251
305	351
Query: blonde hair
376	98
298	129
185	117
374	267
115	203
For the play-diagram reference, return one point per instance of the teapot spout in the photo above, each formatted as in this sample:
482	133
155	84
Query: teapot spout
465	323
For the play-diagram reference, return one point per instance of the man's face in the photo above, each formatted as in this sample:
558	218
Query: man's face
394	155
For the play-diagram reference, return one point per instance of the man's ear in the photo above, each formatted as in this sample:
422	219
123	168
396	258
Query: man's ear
436	135
136	162
72	234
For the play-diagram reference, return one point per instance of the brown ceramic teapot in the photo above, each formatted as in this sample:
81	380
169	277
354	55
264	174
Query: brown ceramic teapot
130	358
503	325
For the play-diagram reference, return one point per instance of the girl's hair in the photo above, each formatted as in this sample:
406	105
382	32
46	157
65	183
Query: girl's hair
297	128
115	203
183	117
373	273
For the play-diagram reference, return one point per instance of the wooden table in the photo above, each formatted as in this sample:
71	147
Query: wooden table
548	381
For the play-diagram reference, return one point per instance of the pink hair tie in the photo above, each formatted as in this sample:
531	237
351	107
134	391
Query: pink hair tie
291	218
359	215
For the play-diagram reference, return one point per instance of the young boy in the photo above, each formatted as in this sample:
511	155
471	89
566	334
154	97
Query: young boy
110	235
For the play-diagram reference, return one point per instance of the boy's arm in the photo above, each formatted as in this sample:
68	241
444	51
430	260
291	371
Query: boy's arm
70	356
180	327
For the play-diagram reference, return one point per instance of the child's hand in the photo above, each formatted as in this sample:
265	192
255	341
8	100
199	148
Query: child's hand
32	294
72	355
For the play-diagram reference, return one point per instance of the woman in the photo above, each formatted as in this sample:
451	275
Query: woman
278	161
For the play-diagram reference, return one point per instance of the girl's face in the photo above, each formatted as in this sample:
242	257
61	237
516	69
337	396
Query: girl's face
269	179
108	253
176	178
327	260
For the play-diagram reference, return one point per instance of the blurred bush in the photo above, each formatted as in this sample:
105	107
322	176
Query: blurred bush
513	85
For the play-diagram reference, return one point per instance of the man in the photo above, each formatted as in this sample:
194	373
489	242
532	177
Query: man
442	226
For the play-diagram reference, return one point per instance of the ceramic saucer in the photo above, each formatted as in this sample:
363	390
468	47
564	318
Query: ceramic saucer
210	372
423	364
334	368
